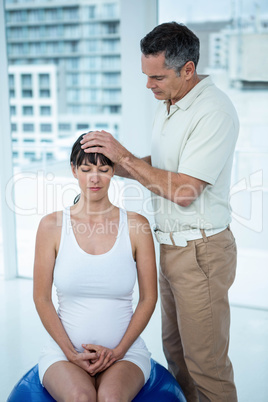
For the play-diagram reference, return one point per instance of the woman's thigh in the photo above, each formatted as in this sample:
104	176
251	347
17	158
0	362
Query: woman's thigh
121	382
67	382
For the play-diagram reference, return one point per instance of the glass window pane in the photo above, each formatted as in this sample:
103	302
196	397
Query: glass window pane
57	63
27	110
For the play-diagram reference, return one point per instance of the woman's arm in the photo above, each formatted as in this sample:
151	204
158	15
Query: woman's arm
47	241
143	247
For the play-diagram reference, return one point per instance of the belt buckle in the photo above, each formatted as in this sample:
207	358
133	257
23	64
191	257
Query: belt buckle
156	233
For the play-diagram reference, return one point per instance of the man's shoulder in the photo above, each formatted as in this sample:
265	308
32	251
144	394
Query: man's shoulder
212	99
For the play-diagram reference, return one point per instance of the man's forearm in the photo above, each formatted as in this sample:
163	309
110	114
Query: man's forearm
176	187
122	172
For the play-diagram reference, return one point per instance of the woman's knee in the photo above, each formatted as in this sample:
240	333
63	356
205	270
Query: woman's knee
82	395
111	395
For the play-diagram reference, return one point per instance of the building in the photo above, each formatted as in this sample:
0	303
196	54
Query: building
81	38
33	110
204	31
226	46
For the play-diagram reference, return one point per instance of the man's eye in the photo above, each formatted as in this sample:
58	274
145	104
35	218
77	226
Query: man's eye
85	171
104	171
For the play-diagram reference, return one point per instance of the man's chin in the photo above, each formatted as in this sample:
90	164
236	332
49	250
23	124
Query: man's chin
159	96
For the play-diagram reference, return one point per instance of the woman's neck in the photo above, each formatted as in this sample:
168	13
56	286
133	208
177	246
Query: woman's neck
95	210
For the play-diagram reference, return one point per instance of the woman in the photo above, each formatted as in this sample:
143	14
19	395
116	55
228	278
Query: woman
92	252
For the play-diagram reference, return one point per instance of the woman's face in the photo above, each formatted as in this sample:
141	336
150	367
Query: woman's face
94	180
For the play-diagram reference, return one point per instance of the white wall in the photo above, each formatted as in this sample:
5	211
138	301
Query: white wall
137	19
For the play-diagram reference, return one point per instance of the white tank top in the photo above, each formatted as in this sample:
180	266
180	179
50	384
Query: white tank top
95	291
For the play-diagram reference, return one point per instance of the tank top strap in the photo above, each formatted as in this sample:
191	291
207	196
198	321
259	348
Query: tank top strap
123	223
66	220
124	231
65	229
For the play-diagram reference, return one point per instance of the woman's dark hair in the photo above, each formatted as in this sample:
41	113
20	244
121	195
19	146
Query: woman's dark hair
79	156
178	42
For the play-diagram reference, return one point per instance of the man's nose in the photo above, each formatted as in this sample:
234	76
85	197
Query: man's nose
150	83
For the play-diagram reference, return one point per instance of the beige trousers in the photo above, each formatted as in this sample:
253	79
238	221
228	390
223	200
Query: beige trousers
194	283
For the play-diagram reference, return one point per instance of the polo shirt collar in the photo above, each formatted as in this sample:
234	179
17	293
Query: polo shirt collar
190	97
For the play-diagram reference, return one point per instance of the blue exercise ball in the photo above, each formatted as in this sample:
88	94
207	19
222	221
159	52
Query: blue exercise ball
161	387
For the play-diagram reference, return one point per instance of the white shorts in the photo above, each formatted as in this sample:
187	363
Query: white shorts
137	354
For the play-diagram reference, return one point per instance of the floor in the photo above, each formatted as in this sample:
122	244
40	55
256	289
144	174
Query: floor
22	336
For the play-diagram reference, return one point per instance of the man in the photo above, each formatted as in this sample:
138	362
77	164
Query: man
194	136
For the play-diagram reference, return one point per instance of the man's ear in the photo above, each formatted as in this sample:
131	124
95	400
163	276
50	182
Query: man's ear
189	69
73	170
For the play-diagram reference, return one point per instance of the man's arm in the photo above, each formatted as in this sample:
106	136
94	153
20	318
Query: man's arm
120	171
176	187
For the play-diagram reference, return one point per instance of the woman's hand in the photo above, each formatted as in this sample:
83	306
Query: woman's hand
84	359
106	358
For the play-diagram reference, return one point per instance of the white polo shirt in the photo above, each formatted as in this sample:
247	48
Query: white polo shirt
196	138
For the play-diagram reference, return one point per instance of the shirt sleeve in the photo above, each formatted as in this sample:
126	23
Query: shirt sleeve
209	146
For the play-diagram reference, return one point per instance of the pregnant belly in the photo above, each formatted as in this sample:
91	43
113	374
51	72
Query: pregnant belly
97	321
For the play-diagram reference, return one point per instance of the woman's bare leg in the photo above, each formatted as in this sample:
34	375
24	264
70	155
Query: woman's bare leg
67	382
119	383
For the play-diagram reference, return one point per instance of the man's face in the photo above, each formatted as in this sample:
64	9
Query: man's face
163	82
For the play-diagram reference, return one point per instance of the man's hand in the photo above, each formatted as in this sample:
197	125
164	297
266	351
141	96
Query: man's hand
104	143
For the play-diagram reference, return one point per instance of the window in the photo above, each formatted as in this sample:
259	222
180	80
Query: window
44	93
73	95
27	110
12	110
110	10
112	109
74	109
91	11
51	14
46	140
28	127
111	28
12	93
73	79
111	95
92	62
93	46
27	93
111	62
110	45
92	29
46	128
13	127
28	140
101	126
72	64
70	13
45	110
64	126
29	155
91	95
11	80
26	80
43	80
82	126
111	79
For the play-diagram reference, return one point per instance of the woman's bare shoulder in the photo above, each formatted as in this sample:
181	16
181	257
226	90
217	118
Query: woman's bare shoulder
138	224
51	221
